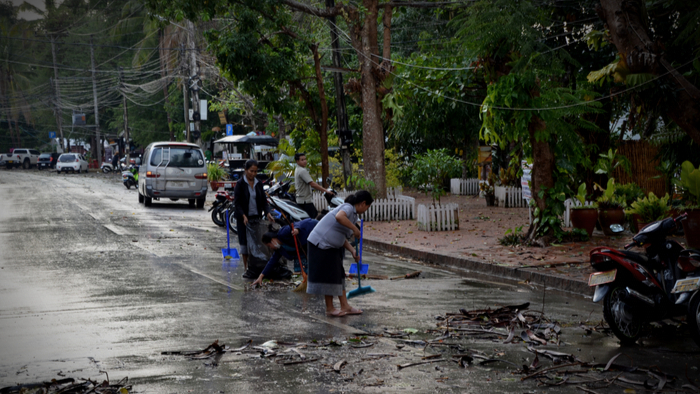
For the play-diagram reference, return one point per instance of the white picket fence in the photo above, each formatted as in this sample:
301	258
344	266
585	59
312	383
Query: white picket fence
567	212
438	217
464	187
395	207
509	197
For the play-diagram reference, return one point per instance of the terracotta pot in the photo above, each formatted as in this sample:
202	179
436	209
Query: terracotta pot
691	228
215	185
585	219
609	217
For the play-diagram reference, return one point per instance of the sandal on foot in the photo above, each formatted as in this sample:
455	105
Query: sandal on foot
336	313
353	311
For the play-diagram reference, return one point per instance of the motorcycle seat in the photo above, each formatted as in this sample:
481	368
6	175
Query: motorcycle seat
636	257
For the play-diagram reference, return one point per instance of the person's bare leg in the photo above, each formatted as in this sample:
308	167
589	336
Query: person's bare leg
345	306
245	262
330	309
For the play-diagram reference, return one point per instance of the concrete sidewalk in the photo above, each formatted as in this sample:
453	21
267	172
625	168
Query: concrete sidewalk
475	246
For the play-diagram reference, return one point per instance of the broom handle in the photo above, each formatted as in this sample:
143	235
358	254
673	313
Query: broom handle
359	262
296	247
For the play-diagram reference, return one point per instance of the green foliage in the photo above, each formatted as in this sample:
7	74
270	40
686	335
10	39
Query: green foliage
432	169
548	220
611	160
512	237
359	182
581	197
609	200
214	172
690	180
393	168
489	187
629	192
651	208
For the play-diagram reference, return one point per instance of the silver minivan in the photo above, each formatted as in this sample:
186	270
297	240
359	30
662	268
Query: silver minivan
173	170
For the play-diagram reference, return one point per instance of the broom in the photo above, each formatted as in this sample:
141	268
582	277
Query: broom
303	284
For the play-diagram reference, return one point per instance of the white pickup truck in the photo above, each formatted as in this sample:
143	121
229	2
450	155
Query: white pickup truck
20	157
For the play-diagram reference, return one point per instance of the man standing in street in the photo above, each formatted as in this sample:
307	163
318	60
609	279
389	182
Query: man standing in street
303	184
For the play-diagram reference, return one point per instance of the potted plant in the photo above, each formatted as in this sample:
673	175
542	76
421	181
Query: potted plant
489	189
649	209
610	208
214	175
690	180
584	216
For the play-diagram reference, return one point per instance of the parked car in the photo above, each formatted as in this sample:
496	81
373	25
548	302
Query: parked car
20	157
47	160
173	170
73	162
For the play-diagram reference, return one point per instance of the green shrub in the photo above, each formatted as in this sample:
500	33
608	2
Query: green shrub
651	208
432	169
690	180
629	192
609	200
214	172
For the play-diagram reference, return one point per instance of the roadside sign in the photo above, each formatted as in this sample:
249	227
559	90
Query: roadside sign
525	181
229	129
52	134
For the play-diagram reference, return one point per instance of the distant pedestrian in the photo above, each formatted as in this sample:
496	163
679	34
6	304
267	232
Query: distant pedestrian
115	162
326	249
250	203
303	184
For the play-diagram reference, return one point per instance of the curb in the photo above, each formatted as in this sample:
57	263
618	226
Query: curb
553	281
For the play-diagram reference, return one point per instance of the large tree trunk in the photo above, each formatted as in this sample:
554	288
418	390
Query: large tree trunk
542	168
323	131
372	130
628	28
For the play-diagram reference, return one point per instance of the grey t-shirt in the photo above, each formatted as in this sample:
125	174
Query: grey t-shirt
328	233
301	183
252	203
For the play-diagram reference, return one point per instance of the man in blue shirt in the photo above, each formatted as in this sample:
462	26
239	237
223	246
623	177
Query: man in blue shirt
282	242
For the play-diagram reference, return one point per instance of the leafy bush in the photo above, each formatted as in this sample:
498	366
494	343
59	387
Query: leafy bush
609	200
690	180
359	182
629	192
651	208
581	197
512	237
432	168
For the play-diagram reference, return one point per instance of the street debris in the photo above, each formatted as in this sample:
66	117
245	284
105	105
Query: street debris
72	386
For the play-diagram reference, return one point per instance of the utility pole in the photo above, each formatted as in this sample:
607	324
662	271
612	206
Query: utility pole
57	90
127	145
185	98
194	80
344	133
97	112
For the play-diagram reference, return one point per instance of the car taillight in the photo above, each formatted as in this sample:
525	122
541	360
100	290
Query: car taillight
201	176
51	159
150	174
77	161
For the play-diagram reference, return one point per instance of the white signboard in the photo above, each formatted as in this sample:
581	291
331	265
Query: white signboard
525	181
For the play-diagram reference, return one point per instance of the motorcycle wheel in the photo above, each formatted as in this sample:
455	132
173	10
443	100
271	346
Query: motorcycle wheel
216	217
128	185
621	324
693	318
232	223
105	170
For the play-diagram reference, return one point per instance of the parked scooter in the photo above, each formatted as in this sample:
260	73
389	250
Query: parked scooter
222	202
636	288
130	177
688	289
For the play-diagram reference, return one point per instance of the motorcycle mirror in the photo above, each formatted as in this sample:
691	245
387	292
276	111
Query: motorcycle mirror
616	228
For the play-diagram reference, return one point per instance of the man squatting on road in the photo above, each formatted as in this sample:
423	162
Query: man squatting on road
326	248
282	242
303	184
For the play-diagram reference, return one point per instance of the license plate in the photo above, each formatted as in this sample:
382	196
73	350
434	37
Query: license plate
599	278
10	161
685	285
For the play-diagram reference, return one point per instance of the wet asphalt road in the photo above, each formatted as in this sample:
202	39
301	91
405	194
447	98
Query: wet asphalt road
92	281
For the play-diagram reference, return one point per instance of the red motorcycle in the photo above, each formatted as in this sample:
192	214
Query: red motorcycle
688	289
636	287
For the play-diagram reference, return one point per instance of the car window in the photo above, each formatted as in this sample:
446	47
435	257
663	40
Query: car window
35	152
66	158
44	155
179	157
19	151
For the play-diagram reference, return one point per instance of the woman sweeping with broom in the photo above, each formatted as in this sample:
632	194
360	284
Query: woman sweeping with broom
326	248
